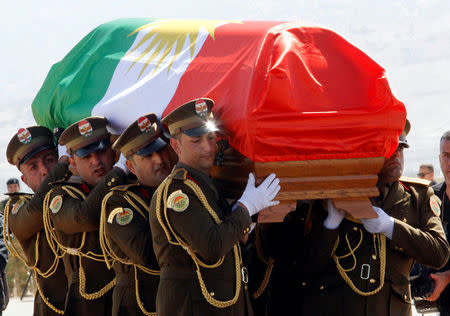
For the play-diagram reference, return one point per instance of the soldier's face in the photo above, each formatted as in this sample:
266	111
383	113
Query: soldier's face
94	166
37	167
13	188
151	170
393	167
196	152
444	159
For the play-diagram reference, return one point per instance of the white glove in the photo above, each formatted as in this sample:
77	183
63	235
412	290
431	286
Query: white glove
382	224
256	198
121	163
334	217
62	151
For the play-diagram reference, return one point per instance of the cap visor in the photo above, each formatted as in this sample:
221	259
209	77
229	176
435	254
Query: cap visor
89	149
36	151
403	143
156	145
199	131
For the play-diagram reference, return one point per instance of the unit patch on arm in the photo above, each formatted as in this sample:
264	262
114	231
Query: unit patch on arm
56	203
435	204
123	215
178	201
17	206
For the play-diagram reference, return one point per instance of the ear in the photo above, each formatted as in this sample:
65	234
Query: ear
130	166
175	143
73	164
24	179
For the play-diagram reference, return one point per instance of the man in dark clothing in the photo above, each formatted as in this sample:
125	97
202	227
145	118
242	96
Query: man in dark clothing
125	234
195	232
441	278
32	150
72	215
12	185
4	291
362	267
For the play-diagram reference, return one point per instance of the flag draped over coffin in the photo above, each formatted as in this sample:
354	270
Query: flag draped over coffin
282	91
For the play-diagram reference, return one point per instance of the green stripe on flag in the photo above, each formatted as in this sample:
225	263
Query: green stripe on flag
79	81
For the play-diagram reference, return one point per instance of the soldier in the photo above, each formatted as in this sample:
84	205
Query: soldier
362	267
125	233
195	233
32	150
12	186
72	215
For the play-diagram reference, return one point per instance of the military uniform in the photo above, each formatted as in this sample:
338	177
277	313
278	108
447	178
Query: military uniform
72	217
23	217
354	272
125	233
189	234
128	241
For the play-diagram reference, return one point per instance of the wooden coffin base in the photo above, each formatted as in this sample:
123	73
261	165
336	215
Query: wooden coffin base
349	182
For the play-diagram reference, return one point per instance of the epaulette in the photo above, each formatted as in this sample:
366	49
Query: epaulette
414	181
179	174
124	187
71	181
19	194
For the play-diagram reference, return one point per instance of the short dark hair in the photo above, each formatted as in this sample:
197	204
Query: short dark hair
12	181
445	136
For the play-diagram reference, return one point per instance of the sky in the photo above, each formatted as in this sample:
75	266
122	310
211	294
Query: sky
408	38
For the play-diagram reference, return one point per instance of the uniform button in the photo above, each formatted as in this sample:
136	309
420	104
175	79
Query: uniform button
374	257
355	228
109	183
404	220
321	287
303	283
113	179
212	293
405	297
372	281
401	249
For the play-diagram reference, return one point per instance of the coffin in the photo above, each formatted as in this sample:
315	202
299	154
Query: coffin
349	182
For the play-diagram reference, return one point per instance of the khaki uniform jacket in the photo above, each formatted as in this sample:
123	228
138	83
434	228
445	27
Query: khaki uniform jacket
76	222
127	232
25	222
179	291
417	235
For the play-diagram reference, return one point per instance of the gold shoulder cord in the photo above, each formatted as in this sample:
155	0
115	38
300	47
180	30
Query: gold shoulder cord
13	251
379	245
269	262
111	257
57	246
162	193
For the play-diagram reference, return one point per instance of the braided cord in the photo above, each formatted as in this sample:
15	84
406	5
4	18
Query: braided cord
163	190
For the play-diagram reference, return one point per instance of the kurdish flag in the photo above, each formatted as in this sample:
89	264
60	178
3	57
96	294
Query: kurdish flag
282	91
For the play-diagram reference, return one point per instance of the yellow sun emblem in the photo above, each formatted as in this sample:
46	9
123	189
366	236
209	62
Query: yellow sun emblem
163	35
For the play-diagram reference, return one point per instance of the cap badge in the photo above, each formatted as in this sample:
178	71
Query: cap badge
178	201
201	108
24	136
85	128
17	206
144	124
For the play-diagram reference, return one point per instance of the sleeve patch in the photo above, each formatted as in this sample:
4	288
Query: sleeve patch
17	206
178	201
56	204
435	204
123	216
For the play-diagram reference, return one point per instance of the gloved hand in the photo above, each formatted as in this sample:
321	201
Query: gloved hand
63	154
256	198
382	224
121	163
334	217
